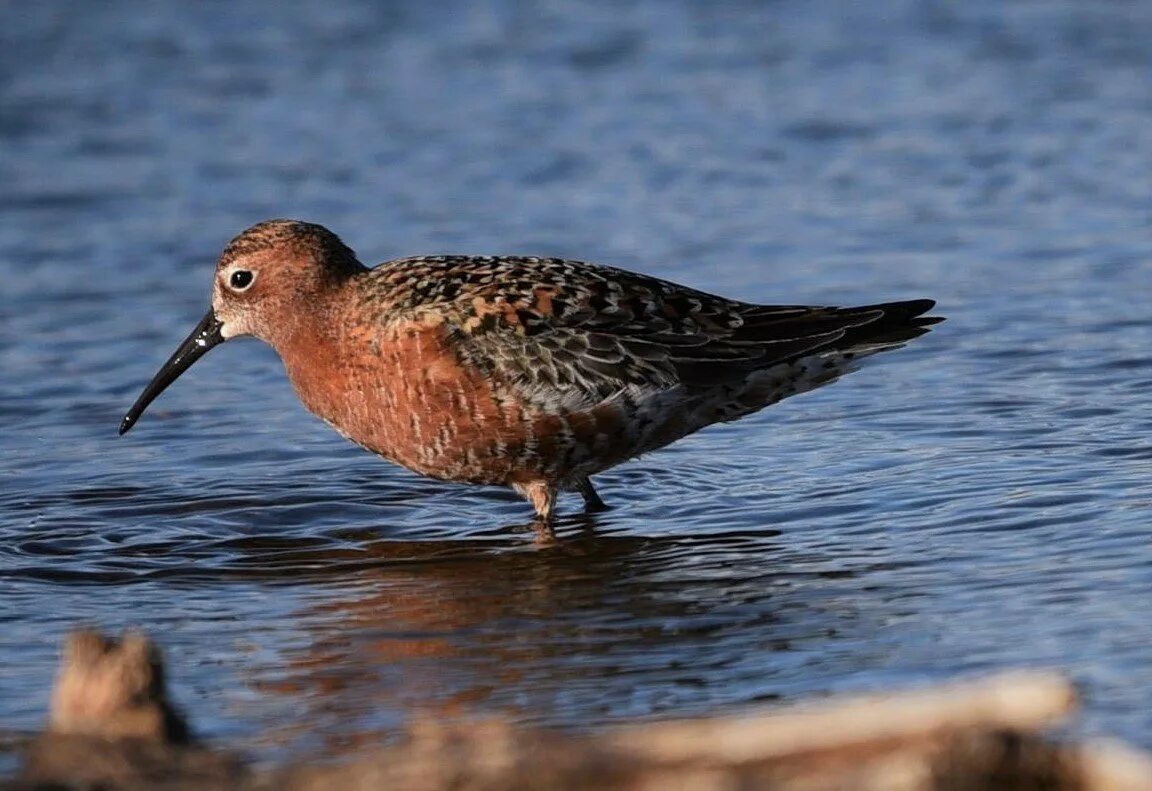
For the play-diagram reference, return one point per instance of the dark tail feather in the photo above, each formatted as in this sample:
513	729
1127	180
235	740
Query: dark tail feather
900	322
776	334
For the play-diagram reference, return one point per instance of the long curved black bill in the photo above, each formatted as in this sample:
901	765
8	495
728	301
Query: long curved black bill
203	338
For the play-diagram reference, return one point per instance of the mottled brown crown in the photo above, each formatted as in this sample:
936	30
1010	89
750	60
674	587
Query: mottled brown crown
296	238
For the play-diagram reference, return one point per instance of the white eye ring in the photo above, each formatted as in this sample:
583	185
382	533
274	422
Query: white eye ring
241	279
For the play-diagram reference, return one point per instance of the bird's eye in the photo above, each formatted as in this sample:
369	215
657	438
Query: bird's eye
240	279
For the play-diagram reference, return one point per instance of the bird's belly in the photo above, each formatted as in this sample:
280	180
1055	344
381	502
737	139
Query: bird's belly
485	436
408	398
458	429
471	440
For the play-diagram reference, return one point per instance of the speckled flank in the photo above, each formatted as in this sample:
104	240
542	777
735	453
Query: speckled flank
534	373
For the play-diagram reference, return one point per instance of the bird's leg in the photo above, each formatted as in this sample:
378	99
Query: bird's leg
592	501
542	495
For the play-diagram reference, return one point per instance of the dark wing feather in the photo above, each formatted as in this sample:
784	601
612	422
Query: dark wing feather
578	333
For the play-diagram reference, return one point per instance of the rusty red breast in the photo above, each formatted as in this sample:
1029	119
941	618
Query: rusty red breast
534	373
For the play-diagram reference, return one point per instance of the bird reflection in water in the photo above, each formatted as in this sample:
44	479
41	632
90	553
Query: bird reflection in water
595	627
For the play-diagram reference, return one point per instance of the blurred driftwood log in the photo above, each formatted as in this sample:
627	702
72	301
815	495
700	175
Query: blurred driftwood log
111	727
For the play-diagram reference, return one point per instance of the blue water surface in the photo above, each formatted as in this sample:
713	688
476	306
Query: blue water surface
979	500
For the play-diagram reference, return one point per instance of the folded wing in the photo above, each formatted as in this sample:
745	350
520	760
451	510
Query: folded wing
568	335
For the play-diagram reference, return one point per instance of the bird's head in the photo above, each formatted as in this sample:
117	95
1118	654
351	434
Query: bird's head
268	281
